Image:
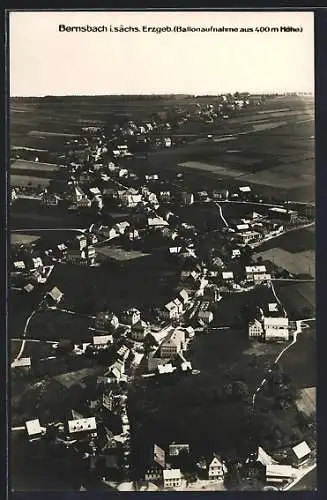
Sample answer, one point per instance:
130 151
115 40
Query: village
209 240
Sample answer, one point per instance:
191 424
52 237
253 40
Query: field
56 325
300 361
119 254
298 299
293 241
307 401
27 180
297 264
32 165
23 239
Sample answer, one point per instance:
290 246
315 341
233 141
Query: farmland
299 362
276 156
298 299
35 166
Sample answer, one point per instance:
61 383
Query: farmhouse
276 328
139 331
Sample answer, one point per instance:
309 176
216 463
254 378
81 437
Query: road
19 355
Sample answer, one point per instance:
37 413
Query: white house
302 452
172 478
255 329
276 473
102 341
34 429
82 425
276 328
170 311
215 470
131 316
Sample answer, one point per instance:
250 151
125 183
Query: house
151 177
106 321
154 473
131 316
37 262
131 200
276 328
175 449
251 271
276 473
80 241
221 194
172 344
236 253
183 296
55 295
78 194
283 213
102 341
228 276
301 452
255 330
187 198
242 227
121 227
245 237
260 278
34 430
244 189
109 232
29 288
166 369
215 470
22 364
123 352
82 426
157 222
170 311
172 478
205 316
139 331
116 371
50 200
179 305
164 196
19 265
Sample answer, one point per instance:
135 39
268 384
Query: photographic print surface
162 251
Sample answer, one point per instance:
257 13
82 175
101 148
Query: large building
172 344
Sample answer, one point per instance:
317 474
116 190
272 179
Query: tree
65 347
240 390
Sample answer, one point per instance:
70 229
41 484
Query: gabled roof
301 450
55 293
215 462
102 339
171 474
33 427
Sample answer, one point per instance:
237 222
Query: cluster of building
270 325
